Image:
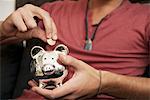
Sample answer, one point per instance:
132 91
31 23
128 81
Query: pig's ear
35 51
62 49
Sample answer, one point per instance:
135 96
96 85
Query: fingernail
51 42
55 37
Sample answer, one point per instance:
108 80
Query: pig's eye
44 58
52 58
61 48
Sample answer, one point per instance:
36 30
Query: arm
79 87
125 86
134 88
20 25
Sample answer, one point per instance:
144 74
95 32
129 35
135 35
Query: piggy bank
46 68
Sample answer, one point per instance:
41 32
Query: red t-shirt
121 42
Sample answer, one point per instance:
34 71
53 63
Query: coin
51 42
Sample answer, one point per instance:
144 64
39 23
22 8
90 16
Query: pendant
88 45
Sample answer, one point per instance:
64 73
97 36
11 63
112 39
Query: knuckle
20 10
45 14
28 6
23 29
32 25
14 15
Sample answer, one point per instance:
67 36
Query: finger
54 32
48 26
36 33
66 89
73 62
28 18
51 42
43 92
32 83
18 22
47 21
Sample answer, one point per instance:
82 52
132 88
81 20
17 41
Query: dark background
20 3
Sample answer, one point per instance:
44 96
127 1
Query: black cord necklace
88 41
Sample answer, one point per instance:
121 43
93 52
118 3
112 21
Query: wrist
100 81
108 80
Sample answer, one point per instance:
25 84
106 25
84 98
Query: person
108 42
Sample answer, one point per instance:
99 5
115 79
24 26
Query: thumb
32 83
71 61
38 33
33 33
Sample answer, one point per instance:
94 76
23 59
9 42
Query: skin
121 86
131 88
20 25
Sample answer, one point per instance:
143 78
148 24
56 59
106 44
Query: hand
20 23
84 83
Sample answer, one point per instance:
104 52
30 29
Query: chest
110 34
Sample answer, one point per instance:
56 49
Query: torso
98 13
120 44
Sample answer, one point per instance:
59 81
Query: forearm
125 86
